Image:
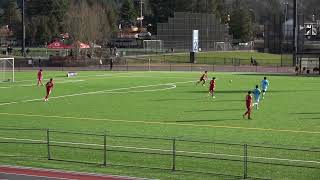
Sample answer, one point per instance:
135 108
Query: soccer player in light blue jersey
264 86
256 95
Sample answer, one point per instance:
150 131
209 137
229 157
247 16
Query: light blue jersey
256 94
264 84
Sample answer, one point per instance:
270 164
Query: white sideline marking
162 123
110 91
165 150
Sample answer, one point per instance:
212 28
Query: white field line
82 76
89 77
162 123
110 91
165 150
30 85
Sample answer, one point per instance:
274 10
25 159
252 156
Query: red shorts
48 90
211 88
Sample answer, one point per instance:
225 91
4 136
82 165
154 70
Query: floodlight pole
23 30
295 31
141 13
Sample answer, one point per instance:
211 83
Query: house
6 37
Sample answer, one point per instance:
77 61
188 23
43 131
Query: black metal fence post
173 154
48 144
319 66
245 161
105 149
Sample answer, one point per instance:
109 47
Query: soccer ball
230 81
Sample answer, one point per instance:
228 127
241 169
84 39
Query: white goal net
6 69
153 45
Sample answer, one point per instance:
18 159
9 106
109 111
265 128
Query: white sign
195 41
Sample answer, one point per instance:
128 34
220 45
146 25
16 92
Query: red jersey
212 84
248 100
40 75
49 85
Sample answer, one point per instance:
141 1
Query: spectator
111 64
9 49
304 69
39 61
297 70
115 51
251 61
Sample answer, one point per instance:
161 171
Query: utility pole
23 30
285 31
141 13
295 31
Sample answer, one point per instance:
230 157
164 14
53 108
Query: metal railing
173 154
151 66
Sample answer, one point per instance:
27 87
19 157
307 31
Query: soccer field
165 105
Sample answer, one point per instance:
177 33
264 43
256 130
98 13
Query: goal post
153 45
7 70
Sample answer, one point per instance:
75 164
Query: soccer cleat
213 97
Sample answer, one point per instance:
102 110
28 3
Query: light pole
23 30
295 31
141 13
285 33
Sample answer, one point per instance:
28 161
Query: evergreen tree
12 16
45 19
127 11
241 23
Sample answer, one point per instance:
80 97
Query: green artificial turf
164 105
217 58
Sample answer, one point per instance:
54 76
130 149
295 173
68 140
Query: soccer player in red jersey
40 77
248 105
203 78
49 87
212 87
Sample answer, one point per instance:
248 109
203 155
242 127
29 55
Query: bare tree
87 23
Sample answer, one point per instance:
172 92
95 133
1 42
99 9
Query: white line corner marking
109 91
